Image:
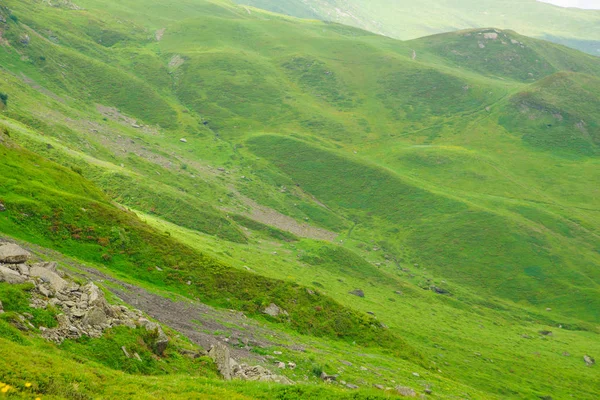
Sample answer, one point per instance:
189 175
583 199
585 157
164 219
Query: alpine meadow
201 199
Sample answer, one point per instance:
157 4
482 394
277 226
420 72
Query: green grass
439 171
402 19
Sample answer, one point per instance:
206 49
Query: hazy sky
594 4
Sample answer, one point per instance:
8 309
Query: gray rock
1 307
49 276
162 340
348 363
13 254
273 310
351 386
23 269
47 265
405 391
2 207
328 378
95 317
358 292
280 365
291 365
380 387
220 355
125 352
77 313
589 361
92 292
9 276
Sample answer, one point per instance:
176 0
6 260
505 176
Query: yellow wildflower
5 389
28 385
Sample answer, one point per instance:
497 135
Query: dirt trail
202 324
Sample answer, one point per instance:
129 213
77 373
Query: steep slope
407 20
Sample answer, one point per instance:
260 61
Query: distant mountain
407 19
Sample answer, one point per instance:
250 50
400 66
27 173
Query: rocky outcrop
83 309
13 254
230 369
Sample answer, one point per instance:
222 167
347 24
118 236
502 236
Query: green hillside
421 210
404 19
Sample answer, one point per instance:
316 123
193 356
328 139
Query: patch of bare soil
115 115
268 216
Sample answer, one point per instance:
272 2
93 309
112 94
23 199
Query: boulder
351 386
9 276
95 317
51 277
161 341
358 292
13 254
221 356
23 269
405 391
51 266
328 378
274 311
92 292
439 290
589 361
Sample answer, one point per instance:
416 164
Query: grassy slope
406 20
359 103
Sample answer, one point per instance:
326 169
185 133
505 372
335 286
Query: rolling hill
405 19
421 209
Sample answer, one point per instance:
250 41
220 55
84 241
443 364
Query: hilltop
404 19
394 213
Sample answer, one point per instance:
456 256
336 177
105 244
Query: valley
424 214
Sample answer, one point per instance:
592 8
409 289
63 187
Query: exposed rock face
85 311
274 311
13 254
230 369
358 292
